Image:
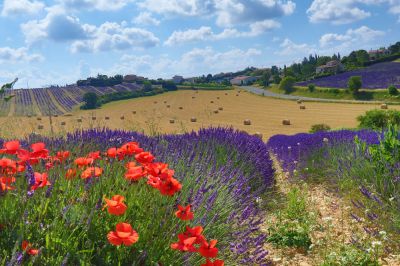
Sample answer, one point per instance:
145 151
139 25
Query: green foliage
350 256
379 119
319 127
101 81
276 79
311 87
354 84
8 86
393 90
287 84
90 100
169 86
294 223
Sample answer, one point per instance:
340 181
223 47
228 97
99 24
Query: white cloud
362 35
206 33
145 18
103 5
60 27
289 48
227 12
19 7
19 55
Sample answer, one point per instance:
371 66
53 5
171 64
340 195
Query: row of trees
101 81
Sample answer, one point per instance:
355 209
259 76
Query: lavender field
54 100
378 76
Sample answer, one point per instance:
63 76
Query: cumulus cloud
145 18
289 48
362 35
206 33
61 27
20 7
103 5
227 12
19 55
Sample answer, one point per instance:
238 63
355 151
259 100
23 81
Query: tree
311 87
287 84
354 84
91 101
169 86
393 90
265 78
277 79
147 86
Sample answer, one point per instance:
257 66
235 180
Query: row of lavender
55 100
221 160
378 76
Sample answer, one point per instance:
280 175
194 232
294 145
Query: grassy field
152 115
340 94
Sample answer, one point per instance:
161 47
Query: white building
243 80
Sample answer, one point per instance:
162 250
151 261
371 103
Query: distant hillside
377 76
55 100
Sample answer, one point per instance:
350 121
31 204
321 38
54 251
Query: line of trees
101 81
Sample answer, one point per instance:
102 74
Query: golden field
153 116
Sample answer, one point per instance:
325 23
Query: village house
375 54
133 78
177 79
243 80
333 66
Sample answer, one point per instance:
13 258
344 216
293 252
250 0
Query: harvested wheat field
182 111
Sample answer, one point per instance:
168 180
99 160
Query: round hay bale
122 117
68 114
216 111
40 127
94 118
29 116
79 120
168 106
165 101
193 97
211 101
247 122
193 119
39 119
171 121
237 94
107 118
258 135
220 108
286 122
226 93
155 102
180 108
302 107
55 115
133 112
217 98
384 106
63 123
299 101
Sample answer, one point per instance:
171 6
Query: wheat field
153 115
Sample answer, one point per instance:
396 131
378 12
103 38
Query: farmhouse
243 80
133 78
375 54
177 79
333 66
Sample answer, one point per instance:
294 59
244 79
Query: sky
49 42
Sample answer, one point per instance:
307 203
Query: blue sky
47 42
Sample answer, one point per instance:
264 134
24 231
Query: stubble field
153 115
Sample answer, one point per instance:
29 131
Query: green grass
204 87
340 94
397 61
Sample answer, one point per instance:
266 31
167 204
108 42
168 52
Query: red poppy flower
135 173
155 169
115 205
40 181
116 152
92 172
184 243
154 181
130 165
195 232
83 161
208 250
27 247
124 234
62 155
215 263
94 155
71 173
170 187
184 213
23 155
5 183
131 148
10 147
39 150
144 157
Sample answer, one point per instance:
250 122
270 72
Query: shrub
319 127
287 84
379 119
311 87
91 101
393 90
354 84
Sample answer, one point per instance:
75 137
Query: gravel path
267 93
